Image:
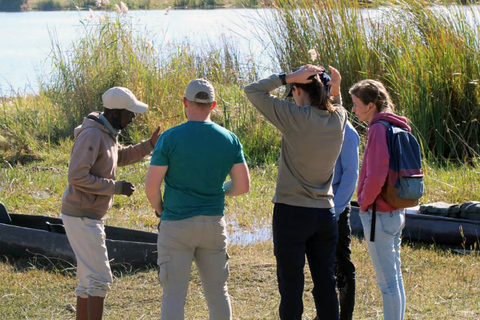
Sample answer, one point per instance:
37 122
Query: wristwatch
283 77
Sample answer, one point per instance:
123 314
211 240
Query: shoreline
62 5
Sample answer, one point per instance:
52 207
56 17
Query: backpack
404 185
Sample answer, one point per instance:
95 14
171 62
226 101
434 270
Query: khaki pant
87 239
203 239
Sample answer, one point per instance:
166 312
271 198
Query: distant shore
111 5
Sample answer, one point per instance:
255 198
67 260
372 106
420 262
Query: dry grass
439 285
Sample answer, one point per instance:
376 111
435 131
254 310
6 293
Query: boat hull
429 228
29 235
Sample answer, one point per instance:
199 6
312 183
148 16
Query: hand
127 188
335 80
155 135
303 73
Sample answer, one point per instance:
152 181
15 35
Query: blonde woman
372 103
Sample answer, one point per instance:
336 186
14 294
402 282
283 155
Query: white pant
87 239
203 239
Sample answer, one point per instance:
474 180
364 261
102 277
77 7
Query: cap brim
138 107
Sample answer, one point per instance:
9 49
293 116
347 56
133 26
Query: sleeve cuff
118 187
337 99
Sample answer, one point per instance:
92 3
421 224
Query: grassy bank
433 291
439 283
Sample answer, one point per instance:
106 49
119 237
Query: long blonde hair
373 91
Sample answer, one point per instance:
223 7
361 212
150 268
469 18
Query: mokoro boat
23 235
430 228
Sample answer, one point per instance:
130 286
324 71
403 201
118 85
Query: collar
107 125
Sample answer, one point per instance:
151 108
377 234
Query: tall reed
426 55
112 52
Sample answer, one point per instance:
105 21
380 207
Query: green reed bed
426 54
113 52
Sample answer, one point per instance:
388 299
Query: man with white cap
92 184
194 159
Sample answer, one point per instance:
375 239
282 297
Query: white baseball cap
122 98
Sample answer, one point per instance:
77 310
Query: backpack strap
374 220
374 206
385 123
388 125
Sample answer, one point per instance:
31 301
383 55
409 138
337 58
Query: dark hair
319 96
373 91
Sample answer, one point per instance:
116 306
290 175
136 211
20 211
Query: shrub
48 5
11 5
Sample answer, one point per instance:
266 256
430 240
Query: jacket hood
393 119
90 121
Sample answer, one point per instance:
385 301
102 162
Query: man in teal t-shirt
194 159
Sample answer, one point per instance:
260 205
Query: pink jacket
375 163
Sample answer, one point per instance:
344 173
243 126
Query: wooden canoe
23 235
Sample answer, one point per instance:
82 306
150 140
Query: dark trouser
300 231
344 268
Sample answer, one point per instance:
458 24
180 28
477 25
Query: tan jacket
93 169
311 142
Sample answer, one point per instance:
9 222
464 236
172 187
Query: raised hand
127 188
155 135
335 80
302 74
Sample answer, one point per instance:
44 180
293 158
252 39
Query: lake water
26 37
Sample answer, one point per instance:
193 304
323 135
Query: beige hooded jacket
93 168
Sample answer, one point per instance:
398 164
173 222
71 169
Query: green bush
82 3
194 3
11 5
137 4
48 5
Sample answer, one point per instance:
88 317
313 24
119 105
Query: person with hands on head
344 183
194 159
92 184
304 221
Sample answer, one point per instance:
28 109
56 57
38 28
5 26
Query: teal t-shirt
199 156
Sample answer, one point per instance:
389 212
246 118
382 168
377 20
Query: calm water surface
25 38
